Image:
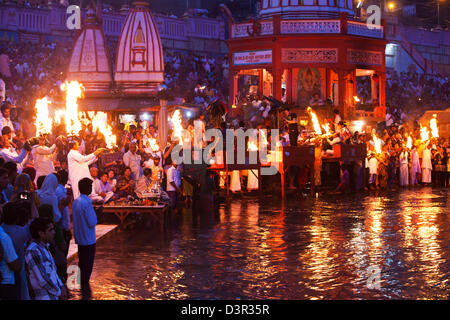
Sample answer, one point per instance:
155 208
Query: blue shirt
84 221
61 193
9 255
20 236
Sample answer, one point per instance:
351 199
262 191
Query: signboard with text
252 57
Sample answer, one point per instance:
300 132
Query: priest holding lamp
78 165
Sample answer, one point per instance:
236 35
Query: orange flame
424 134
434 127
74 90
315 121
43 121
177 126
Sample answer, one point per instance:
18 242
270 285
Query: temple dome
89 62
305 9
140 59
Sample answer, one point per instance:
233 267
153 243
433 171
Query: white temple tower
90 62
140 59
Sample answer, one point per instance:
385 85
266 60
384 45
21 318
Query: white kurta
150 163
79 169
134 162
43 160
415 166
12 156
427 166
6 122
235 184
373 163
252 182
97 188
404 172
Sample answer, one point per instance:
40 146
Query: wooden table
159 213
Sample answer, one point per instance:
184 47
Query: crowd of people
410 92
52 187
42 178
391 160
198 79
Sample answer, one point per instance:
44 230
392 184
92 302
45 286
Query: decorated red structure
299 48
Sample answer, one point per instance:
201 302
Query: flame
434 127
356 99
99 122
74 90
264 137
327 129
409 143
252 146
177 127
424 134
153 145
43 121
58 115
377 143
315 121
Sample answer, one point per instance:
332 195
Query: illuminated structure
90 63
140 59
300 48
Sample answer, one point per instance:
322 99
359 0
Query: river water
374 246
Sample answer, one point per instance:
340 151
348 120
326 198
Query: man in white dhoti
43 158
133 160
415 166
427 166
373 163
252 180
235 183
404 164
79 165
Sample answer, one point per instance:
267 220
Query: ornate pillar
233 88
342 92
261 82
289 86
382 102
277 77
374 88
350 81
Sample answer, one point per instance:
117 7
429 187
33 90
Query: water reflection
307 249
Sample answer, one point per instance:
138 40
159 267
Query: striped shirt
41 271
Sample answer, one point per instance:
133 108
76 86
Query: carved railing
329 26
310 26
53 21
363 29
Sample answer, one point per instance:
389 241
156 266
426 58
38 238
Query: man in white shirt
144 183
101 189
427 165
43 158
133 160
79 165
173 184
9 154
4 119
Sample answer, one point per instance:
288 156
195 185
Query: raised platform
101 232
